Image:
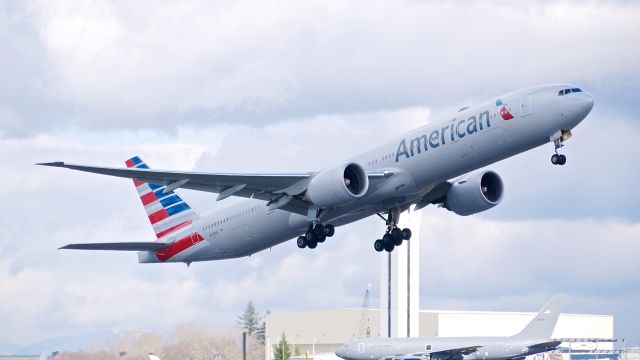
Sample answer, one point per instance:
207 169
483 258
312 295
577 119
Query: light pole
313 347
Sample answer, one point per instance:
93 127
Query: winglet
543 324
54 163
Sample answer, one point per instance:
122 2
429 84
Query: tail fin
167 211
542 325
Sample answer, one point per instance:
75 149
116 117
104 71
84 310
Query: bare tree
187 342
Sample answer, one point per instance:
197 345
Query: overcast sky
248 86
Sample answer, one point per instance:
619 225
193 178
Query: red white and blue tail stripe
168 212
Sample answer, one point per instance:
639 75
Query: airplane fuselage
490 348
468 140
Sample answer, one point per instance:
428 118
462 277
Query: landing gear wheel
563 160
397 241
329 230
312 244
309 235
318 233
406 233
378 245
302 242
387 239
396 233
555 159
389 247
318 230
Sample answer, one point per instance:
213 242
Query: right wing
436 195
122 246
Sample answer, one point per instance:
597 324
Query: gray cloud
100 65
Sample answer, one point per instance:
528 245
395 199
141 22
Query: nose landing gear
393 236
315 234
558 140
558 159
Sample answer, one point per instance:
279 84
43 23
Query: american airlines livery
428 165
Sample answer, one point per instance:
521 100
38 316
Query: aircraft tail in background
543 324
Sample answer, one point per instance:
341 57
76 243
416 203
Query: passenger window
428 347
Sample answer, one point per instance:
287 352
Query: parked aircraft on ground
415 168
533 339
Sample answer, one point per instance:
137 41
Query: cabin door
525 106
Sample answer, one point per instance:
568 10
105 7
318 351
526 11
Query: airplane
432 164
533 339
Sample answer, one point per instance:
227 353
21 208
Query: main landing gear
558 142
393 236
316 234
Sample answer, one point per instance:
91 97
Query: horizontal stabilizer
121 246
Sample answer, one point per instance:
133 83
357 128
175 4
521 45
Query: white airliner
428 165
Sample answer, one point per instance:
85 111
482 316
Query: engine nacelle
338 185
474 193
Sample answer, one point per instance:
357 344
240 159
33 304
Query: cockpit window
568 91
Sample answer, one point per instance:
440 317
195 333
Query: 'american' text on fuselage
455 131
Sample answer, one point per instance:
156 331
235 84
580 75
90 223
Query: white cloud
548 255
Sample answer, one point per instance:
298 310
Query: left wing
281 191
455 353
268 187
549 345
121 246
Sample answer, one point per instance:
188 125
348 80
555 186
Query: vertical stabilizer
542 325
167 211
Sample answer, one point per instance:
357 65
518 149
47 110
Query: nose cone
341 352
574 108
587 103
582 107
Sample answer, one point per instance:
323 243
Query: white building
323 331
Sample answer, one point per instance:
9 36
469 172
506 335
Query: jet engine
474 193
338 185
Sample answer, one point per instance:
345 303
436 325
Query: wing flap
121 246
